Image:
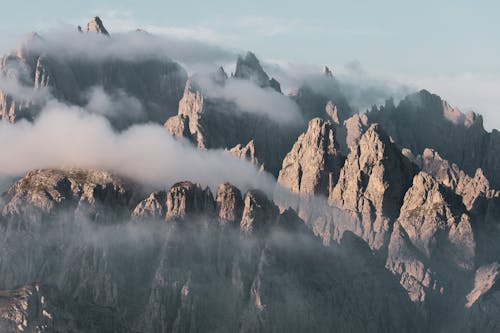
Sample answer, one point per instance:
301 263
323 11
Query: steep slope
459 138
371 187
313 165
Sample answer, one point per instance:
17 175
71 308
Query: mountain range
386 220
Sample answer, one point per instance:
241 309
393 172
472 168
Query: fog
253 99
67 136
67 42
361 88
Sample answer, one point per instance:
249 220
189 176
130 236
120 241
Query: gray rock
371 187
96 25
229 204
313 165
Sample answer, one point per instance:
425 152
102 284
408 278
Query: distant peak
327 72
96 25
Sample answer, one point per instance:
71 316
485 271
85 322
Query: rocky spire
314 163
327 72
258 212
432 231
246 153
229 204
96 25
249 68
187 122
372 185
186 198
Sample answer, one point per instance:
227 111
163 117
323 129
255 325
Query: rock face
249 68
229 204
432 239
258 210
44 193
472 189
35 308
483 301
246 153
459 138
313 165
187 198
434 216
96 25
371 187
187 122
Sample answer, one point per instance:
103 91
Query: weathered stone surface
258 212
371 187
410 266
186 198
471 189
246 153
437 223
42 193
313 165
96 25
459 138
229 204
432 247
187 122
38 309
153 207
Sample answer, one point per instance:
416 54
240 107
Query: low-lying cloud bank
64 136
361 88
67 43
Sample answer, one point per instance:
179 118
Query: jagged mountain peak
313 165
96 25
327 72
250 68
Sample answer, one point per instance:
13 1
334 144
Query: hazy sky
451 47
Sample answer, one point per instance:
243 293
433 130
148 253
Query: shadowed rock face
459 138
246 153
249 68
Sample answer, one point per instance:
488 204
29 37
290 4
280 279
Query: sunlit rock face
372 185
313 165
96 25
49 192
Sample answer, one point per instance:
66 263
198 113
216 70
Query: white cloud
64 136
254 99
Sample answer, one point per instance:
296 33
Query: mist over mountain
149 187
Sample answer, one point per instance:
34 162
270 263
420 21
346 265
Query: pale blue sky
449 46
